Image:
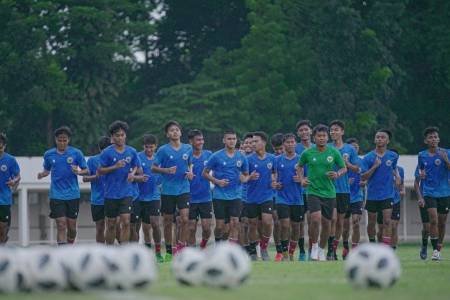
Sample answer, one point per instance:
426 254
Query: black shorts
442 204
169 203
355 208
396 212
5 214
256 210
325 205
424 214
274 206
64 208
150 209
135 216
305 201
98 212
342 202
374 206
200 210
243 210
226 209
117 207
295 213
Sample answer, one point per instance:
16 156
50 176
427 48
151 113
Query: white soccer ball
372 265
226 266
187 266
84 266
46 270
130 266
9 280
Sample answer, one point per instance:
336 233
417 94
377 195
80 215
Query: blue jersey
9 169
230 168
299 148
291 191
379 185
98 185
397 197
167 157
260 190
64 183
435 183
116 182
349 154
356 192
200 186
149 190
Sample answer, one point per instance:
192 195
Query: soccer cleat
279 257
168 257
265 255
335 257
423 253
159 258
291 257
344 253
436 255
321 254
302 256
330 255
314 252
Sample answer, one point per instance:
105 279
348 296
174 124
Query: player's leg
276 228
219 214
183 202
193 218
154 213
395 219
98 217
379 225
5 221
301 235
283 217
135 221
206 220
314 226
332 234
372 210
328 209
111 219
342 206
58 213
252 214
125 215
295 218
387 227
168 207
232 213
346 233
72 210
442 209
425 231
266 209
431 204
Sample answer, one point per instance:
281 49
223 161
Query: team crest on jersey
143 164
256 166
224 163
269 165
128 159
282 166
185 156
70 160
389 163
3 168
239 163
329 159
171 157
437 162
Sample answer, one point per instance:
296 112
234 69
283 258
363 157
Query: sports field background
421 280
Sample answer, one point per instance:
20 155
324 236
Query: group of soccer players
255 194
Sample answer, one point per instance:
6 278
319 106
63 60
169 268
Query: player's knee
61 225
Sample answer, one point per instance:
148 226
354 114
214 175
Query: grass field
294 280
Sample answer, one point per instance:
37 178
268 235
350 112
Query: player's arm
105 170
157 169
420 200
366 175
244 177
444 155
90 178
206 173
13 183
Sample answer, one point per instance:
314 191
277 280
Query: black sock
424 239
148 245
301 245
253 248
394 247
279 248
434 243
345 243
248 249
168 249
61 243
224 238
218 239
284 246
330 243
372 240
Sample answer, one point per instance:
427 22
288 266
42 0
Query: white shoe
322 256
436 255
315 251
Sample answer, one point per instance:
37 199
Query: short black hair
238 144
62 130
170 124
320 128
395 151
261 134
303 122
430 130
118 125
193 133
288 136
103 142
352 140
149 139
229 131
339 123
3 138
387 131
248 135
276 140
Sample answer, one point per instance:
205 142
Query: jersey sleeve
244 167
338 159
81 160
104 158
366 163
135 161
303 159
402 174
353 156
159 157
394 162
420 163
15 169
416 172
91 166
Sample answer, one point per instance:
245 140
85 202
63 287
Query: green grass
424 280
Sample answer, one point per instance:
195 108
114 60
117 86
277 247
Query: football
187 266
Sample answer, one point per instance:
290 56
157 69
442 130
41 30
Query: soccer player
399 193
419 175
260 195
119 164
97 190
201 198
356 204
65 163
229 168
321 161
173 160
379 169
278 149
9 181
248 148
304 132
435 165
342 185
289 200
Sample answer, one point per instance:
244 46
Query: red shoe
344 253
279 257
